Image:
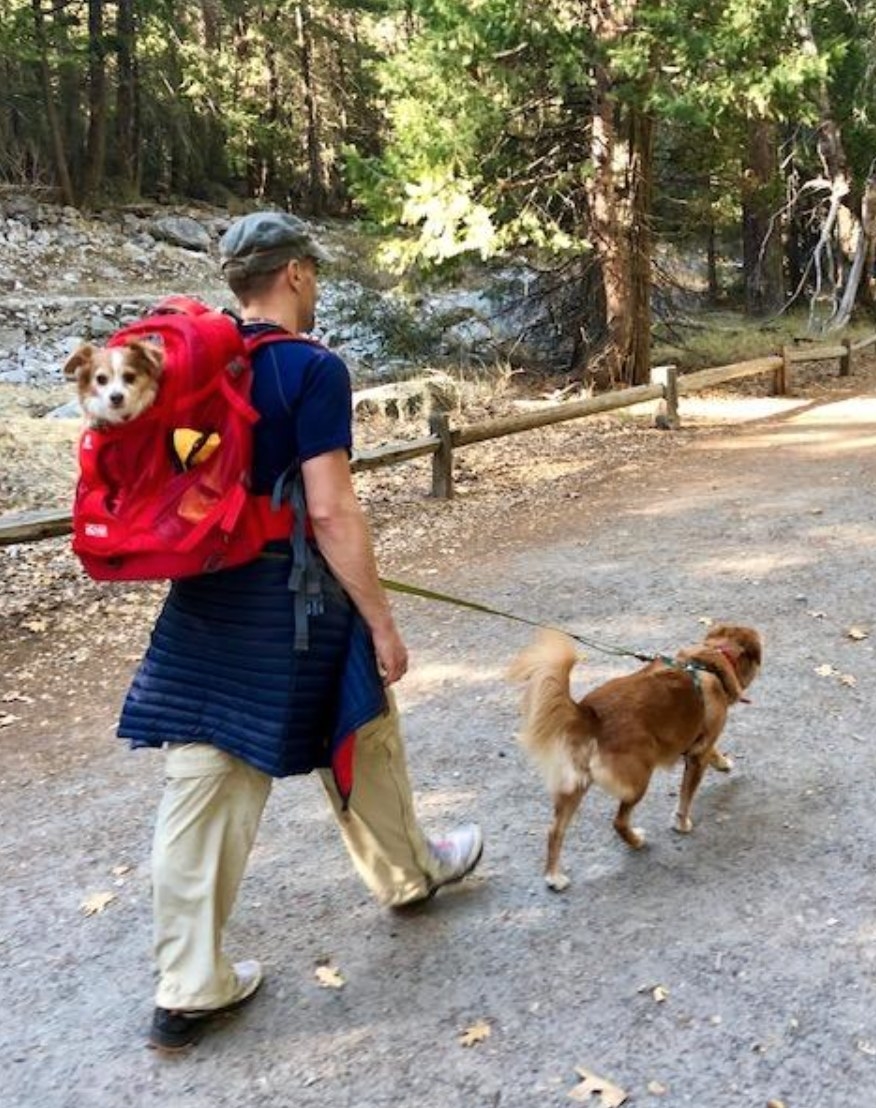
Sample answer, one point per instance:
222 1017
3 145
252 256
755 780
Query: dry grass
38 455
721 337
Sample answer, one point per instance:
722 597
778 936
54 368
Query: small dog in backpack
618 734
115 384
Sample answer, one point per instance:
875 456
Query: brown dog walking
619 733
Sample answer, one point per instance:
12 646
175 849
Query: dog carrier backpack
167 495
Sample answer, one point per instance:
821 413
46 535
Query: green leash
472 605
693 669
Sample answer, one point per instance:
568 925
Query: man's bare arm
344 538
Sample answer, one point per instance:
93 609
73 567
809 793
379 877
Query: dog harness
694 669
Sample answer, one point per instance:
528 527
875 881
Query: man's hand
392 654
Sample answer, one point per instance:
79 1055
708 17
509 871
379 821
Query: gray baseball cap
264 241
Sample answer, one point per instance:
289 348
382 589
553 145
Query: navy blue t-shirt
303 395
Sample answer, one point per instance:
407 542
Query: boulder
181 230
21 207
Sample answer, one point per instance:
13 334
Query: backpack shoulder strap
277 334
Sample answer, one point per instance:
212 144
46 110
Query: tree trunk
868 229
605 227
712 283
242 52
211 14
640 191
761 237
95 147
268 159
68 81
316 170
127 128
795 226
620 210
834 269
60 153
857 284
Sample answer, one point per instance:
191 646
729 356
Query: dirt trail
760 928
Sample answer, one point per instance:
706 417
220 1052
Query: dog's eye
128 377
101 378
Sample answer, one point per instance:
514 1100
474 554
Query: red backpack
167 495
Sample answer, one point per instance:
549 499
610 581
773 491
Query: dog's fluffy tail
551 718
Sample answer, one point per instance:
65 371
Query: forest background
584 135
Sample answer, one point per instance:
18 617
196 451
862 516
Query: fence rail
667 386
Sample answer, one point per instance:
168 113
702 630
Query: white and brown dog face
115 384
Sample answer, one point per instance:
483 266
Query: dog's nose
117 399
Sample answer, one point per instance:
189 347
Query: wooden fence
667 385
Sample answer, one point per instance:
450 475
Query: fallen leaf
825 671
329 977
36 625
120 871
858 633
848 679
9 697
610 1096
6 720
656 1089
659 994
95 903
475 1034
775 1104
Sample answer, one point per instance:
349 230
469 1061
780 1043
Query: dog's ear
751 644
79 358
147 356
746 640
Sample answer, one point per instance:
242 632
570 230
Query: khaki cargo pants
207 821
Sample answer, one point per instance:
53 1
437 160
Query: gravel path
729 969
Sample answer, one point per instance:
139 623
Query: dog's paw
634 837
556 881
683 824
720 762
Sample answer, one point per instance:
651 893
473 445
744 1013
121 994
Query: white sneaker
456 855
249 976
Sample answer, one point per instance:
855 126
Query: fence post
845 366
667 417
442 459
782 375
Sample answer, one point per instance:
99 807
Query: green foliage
465 124
488 107
476 103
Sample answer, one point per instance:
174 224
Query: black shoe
174 1030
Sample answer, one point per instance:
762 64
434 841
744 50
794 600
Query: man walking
247 679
